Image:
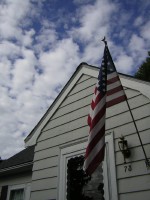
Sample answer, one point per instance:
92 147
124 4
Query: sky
42 42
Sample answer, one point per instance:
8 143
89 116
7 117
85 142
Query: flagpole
147 162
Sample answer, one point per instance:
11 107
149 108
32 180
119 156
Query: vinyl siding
45 173
48 194
71 107
69 125
16 179
133 184
136 195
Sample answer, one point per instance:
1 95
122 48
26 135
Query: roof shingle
22 157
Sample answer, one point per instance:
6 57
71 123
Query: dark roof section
24 156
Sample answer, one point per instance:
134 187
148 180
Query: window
75 184
19 192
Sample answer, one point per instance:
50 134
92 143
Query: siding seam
35 170
61 144
81 90
62 133
83 80
45 158
44 189
49 177
86 115
133 133
134 191
127 123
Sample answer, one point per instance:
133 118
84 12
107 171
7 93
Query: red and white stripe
115 92
96 120
96 140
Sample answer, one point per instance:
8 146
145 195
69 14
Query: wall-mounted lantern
123 146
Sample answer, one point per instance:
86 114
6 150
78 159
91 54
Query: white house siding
135 184
68 126
17 179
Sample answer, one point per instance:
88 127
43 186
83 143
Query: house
16 173
59 140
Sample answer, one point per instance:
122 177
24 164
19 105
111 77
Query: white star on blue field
43 41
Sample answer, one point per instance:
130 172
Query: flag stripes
108 92
94 159
96 120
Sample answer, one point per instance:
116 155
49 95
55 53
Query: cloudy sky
43 41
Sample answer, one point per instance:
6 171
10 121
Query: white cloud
11 15
94 57
138 50
57 64
23 71
17 71
30 92
138 21
47 37
124 64
35 63
94 20
136 43
27 38
145 31
9 142
9 49
5 66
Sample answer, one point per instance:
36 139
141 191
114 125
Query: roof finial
104 40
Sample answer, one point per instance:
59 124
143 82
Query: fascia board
129 82
138 85
15 167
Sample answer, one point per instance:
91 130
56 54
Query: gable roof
23 159
32 137
82 69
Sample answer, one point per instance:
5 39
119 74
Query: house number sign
127 168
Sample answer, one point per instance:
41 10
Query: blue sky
43 41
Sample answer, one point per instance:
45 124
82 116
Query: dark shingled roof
24 156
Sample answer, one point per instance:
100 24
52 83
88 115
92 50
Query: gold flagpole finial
104 40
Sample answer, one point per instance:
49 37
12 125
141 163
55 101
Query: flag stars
103 76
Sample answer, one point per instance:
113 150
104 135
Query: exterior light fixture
123 146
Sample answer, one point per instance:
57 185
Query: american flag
108 92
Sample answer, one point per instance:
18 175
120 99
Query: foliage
76 179
143 72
